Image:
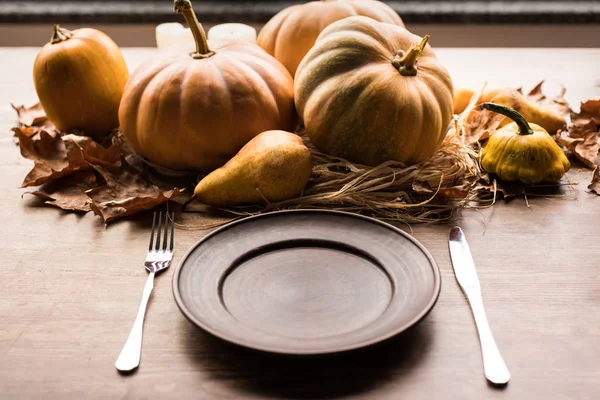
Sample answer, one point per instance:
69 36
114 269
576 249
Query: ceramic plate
306 282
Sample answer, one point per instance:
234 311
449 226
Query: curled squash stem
60 34
524 128
185 7
405 63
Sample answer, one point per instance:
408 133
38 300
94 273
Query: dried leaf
594 185
456 192
54 157
590 110
557 104
27 131
94 153
125 193
583 136
480 125
506 188
69 193
30 116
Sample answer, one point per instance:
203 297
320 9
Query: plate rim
426 310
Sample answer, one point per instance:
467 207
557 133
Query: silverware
464 268
158 259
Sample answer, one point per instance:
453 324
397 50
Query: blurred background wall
451 23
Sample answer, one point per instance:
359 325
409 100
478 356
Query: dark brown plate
306 282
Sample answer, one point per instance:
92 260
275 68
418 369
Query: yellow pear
274 166
531 111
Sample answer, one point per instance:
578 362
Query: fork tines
157 227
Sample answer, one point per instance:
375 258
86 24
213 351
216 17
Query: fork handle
129 358
494 367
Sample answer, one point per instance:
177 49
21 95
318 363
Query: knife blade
494 367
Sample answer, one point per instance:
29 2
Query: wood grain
70 288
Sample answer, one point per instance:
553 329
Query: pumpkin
79 77
291 33
195 111
371 92
522 151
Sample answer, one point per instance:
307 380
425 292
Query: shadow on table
303 377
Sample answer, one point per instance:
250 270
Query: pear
273 166
531 111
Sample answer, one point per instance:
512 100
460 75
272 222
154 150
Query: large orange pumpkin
196 111
291 33
79 77
371 92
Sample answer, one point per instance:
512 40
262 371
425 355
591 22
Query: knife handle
494 367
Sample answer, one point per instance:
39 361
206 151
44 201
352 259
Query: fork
158 259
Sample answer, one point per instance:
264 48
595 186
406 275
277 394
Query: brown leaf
53 157
56 156
30 116
594 185
506 188
27 131
126 192
94 153
455 192
590 110
69 193
583 136
480 125
557 104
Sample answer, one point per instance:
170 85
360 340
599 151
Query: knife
464 268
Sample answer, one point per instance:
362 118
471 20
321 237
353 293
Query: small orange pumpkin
291 33
196 111
372 92
79 77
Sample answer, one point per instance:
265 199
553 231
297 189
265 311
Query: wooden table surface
70 288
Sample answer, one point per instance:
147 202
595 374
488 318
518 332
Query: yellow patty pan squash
371 92
521 151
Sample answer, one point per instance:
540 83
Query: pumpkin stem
405 63
524 128
185 7
60 34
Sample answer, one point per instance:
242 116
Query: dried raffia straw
432 191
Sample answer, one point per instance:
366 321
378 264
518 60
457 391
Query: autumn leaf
126 192
56 156
594 185
591 110
557 104
53 156
69 193
479 125
583 136
455 192
30 116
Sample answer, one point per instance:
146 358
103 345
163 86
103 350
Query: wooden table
70 288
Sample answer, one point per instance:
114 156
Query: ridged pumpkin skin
80 80
195 111
532 157
355 103
291 33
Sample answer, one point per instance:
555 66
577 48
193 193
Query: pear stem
524 127
405 63
60 35
202 50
